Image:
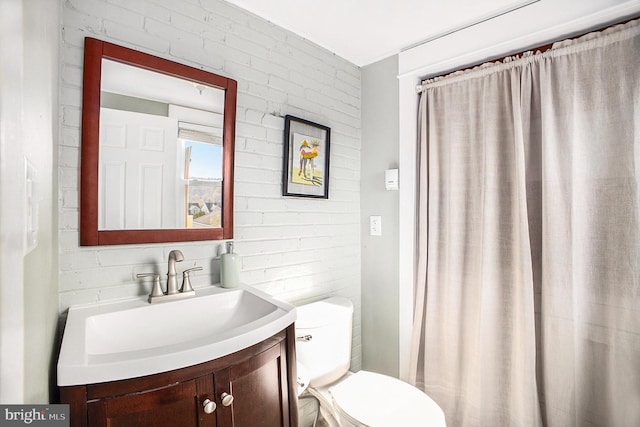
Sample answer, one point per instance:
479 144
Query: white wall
379 253
296 249
40 133
28 126
11 204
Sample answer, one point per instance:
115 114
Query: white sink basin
128 339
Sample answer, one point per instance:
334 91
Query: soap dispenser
229 268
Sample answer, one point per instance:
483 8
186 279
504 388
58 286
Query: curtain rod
538 49
474 22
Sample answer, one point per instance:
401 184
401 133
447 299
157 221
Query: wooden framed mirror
158 143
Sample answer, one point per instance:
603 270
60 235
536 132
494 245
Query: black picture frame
305 171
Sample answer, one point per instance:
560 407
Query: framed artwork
306 159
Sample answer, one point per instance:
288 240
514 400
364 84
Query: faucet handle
157 289
186 280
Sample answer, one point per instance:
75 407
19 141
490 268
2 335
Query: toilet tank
323 339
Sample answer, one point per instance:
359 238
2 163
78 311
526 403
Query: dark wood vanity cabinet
175 405
261 380
257 388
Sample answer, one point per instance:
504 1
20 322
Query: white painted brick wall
298 250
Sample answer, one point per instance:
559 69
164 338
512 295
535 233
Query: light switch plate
375 225
31 207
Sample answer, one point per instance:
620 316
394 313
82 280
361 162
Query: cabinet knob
209 406
227 399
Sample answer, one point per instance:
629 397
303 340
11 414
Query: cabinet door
259 389
177 405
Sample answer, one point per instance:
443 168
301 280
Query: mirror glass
162 143
160 151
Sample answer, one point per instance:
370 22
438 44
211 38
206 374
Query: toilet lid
377 400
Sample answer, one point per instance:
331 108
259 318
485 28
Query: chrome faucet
172 281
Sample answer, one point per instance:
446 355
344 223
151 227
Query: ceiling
364 32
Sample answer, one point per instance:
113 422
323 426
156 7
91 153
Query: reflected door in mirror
138 186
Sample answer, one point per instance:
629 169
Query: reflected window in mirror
203 163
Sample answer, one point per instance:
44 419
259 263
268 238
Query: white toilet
323 349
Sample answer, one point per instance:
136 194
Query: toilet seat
376 400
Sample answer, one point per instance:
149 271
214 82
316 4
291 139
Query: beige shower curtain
528 242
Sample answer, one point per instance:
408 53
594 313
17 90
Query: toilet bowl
347 399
